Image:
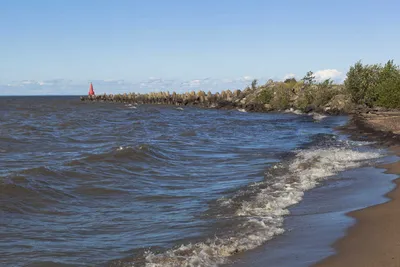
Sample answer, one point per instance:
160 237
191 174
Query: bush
281 98
388 88
373 84
324 93
305 99
290 80
266 96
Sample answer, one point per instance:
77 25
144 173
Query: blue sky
183 45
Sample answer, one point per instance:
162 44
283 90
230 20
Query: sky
59 46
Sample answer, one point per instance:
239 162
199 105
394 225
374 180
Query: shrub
290 80
324 93
281 99
374 85
266 96
387 91
361 82
305 99
317 95
390 93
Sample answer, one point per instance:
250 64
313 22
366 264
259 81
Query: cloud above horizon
321 75
115 86
289 75
332 74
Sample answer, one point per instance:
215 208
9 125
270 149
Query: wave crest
264 212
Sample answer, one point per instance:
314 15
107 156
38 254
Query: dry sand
375 239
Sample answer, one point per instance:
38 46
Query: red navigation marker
91 92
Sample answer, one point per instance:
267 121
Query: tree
361 82
254 84
309 79
387 91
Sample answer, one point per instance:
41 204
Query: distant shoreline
366 87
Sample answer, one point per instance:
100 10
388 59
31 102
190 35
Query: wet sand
375 239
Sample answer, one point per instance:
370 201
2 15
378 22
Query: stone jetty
272 96
227 99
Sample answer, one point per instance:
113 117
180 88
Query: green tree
309 79
387 91
361 83
254 84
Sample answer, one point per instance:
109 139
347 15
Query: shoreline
374 240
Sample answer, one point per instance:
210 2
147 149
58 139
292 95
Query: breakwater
246 99
273 96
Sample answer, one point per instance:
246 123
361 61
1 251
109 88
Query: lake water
102 184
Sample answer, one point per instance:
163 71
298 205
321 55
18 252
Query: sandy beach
375 239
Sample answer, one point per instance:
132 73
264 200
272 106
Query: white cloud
247 78
194 83
197 83
44 83
28 82
114 86
333 74
227 80
289 75
153 83
14 84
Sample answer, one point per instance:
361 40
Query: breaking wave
260 217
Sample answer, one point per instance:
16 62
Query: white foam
264 213
317 116
242 110
123 148
294 111
179 108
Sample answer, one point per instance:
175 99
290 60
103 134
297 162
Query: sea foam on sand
264 212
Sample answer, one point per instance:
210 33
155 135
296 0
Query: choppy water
99 184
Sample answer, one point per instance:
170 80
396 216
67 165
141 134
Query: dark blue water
89 184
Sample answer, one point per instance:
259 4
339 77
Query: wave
27 190
317 116
260 216
8 139
294 111
131 106
143 151
101 191
139 153
189 133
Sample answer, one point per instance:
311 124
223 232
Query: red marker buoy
91 91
